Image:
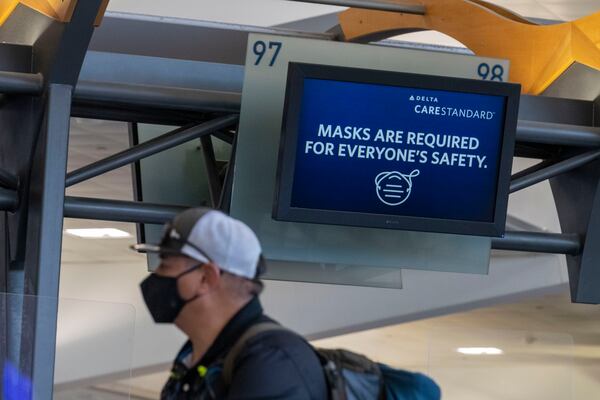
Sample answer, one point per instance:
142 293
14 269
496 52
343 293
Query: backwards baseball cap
209 235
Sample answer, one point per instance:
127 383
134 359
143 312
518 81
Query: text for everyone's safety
425 148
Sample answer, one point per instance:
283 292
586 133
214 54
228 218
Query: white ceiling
246 12
275 12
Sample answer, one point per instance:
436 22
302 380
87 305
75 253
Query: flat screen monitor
395 150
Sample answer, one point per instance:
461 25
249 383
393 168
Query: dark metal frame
528 132
548 170
35 159
210 163
21 83
8 180
146 149
298 72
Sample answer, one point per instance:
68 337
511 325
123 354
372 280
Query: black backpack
350 376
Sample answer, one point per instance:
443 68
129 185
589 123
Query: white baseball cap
209 235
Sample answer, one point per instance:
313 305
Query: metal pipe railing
146 149
130 211
553 170
118 210
534 168
9 200
147 213
557 134
172 98
21 83
535 242
161 97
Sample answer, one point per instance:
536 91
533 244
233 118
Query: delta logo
424 99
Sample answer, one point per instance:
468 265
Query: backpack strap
250 333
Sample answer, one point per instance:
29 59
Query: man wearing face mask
208 285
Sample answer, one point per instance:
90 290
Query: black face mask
162 296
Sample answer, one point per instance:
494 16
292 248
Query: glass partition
94 345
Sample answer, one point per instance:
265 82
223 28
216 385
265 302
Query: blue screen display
382 149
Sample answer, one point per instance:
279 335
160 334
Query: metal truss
528 132
162 143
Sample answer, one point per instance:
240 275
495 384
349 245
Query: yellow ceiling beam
60 10
539 54
6 9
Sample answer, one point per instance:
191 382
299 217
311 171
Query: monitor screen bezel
297 72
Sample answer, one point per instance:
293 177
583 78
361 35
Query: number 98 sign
489 72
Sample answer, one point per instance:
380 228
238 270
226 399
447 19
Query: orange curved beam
539 54
60 10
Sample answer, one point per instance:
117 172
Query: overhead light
98 233
480 351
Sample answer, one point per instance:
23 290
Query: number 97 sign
270 50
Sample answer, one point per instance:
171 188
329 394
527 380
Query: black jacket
272 365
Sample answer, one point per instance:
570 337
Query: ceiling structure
265 13
93 140
276 12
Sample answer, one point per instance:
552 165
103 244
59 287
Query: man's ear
211 278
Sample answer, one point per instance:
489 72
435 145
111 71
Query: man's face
173 266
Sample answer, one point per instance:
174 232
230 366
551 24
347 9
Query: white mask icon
394 188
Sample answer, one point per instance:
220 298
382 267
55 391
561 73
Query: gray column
44 234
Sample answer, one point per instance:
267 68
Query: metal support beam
532 169
9 200
161 97
514 223
227 188
117 210
146 149
224 136
175 98
210 163
140 115
371 5
553 243
8 180
145 213
59 50
21 83
558 134
554 170
44 240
